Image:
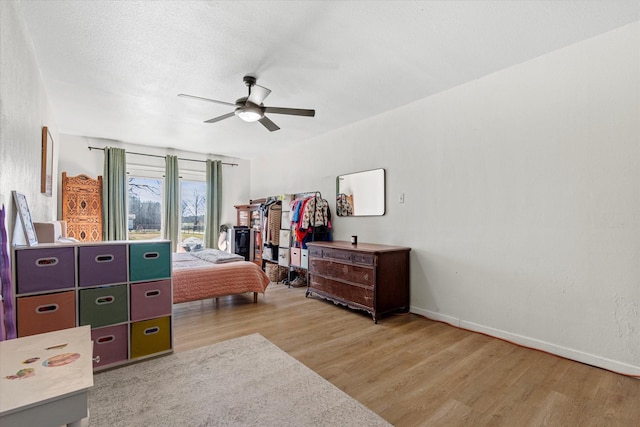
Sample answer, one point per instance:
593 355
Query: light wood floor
413 371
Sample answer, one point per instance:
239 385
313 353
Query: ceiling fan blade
206 99
224 116
290 111
258 94
266 122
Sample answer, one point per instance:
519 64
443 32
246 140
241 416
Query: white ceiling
112 69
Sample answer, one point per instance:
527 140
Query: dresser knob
96 359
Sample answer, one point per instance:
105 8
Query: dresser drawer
103 306
337 254
45 269
45 313
364 259
102 265
315 252
342 291
150 299
344 272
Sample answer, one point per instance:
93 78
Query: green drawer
149 261
103 306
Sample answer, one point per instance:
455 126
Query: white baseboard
568 353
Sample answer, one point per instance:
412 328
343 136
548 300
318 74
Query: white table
54 395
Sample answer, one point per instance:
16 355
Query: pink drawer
150 299
295 256
110 344
45 313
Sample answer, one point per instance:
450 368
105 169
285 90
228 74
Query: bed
211 274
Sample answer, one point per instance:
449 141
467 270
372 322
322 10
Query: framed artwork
25 218
46 177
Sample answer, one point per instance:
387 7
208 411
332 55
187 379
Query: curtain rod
162 157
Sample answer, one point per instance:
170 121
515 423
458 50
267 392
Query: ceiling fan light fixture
250 113
249 116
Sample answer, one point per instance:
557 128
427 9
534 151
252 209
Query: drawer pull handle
105 339
47 308
152 293
151 255
46 262
104 258
107 299
152 330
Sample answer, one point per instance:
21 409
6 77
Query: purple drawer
102 265
150 299
45 269
111 344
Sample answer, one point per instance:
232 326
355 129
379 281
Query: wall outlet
401 198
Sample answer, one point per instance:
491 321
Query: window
145 208
193 204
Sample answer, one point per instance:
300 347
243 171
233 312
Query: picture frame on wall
24 216
46 176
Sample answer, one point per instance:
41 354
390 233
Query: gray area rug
246 381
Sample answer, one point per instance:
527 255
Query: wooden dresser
369 277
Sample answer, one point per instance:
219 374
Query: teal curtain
171 206
214 203
114 195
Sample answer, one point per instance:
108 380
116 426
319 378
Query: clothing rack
307 194
162 157
313 226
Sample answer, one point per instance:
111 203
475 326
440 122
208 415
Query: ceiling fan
250 108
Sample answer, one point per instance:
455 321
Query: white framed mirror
361 193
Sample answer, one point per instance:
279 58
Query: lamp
250 112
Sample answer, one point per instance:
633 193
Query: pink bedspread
195 279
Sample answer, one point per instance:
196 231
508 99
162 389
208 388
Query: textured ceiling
112 69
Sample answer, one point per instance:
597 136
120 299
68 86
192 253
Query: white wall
522 198
24 109
76 158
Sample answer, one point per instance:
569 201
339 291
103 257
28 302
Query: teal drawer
149 261
103 306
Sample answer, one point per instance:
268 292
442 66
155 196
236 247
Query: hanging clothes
311 220
316 213
272 235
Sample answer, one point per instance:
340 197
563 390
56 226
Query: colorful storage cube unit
102 265
295 256
150 336
45 313
45 269
103 306
110 345
150 299
149 261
